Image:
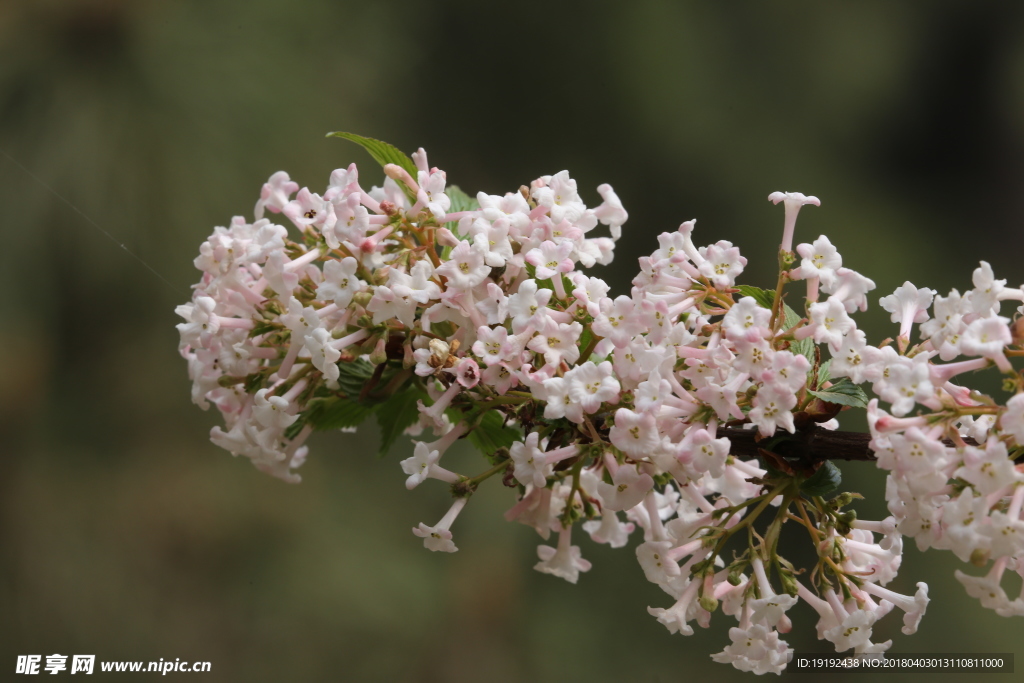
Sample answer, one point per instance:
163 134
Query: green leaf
763 297
491 433
396 415
353 376
805 347
823 372
845 393
766 298
460 200
336 413
382 152
585 338
824 481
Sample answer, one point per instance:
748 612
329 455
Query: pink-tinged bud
467 372
793 202
379 354
447 238
396 172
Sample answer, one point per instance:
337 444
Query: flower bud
379 354
789 585
735 575
708 602
446 238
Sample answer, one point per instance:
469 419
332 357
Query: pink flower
908 305
793 201
634 434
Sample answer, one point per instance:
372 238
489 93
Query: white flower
301 320
701 452
609 529
417 285
1012 421
275 193
559 402
908 305
830 322
788 371
627 489
431 194
855 359
685 609
558 194
530 465
987 337
438 538
634 434
984 298
309 209
745 315
556 341
908 383
611 212
272 412
491 345
551 259
465 268
202 322
913 607
851 288
617 321
984 588
792 201
655 561
418 466
854 631
388 303
772 410
591 385
340 282
353 222
435 538
722 263
819 259
755 649
1006 534
962 519
323 356
651 393
752 355
565 562
988 469
524 304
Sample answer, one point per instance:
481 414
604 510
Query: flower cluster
674 409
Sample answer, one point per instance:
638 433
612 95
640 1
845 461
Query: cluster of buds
672 409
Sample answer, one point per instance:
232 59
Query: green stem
567 513
594 339
771 537
466 487
811 529
749 519
977 410
508 400
777 303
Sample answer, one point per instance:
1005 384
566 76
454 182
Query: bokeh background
124 533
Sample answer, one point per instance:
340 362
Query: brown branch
808 446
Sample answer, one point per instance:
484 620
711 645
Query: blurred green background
124 533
